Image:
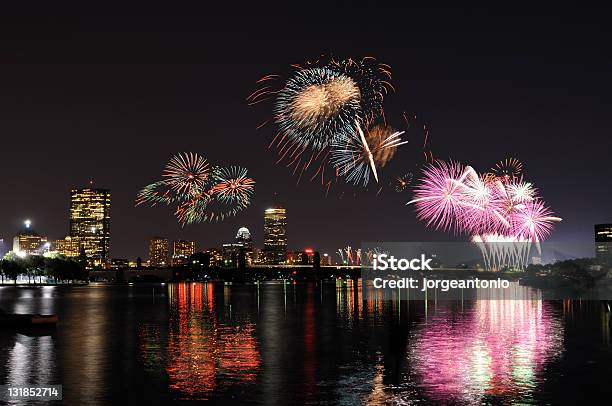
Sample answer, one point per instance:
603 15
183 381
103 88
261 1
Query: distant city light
309 250
27 223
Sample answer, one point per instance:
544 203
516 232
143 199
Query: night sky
112 95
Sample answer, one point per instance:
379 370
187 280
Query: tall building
245 241
29 242
231 254
90 223
158 252
216 257
603 243
69 246
275 236
181 251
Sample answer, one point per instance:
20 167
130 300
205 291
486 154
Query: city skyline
515 92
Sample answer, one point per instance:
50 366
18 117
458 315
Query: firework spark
322 106
200 193
380 139
358 156
402 182
438 198
322 102
507 169
534 222
233 185
373 80
493 211
316 106
186 172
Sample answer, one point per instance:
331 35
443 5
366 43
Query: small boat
28 319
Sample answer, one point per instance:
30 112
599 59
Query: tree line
56 269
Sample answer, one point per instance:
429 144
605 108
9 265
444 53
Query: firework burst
401 183
320 111
503 215
316 106
358 156
520 191
186 173
373 80
199 192
507 169
534 222
232 185
438 197
482 202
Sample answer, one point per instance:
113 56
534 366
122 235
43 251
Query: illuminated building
181 251
295 258
216 257
69 246
243 238
309 253
239 253
275 236
90 223
603 243
326 260
230 252
305 257
158 252
119 263
29 242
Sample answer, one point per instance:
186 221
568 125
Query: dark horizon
113 97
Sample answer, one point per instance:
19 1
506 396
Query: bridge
167 274
265 271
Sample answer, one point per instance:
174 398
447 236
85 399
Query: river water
280 343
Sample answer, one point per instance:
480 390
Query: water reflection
497 348
201 352
304 343
30 361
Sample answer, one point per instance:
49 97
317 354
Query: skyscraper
181 251
603 243
29 241
69 246
275 236
244 239
158 252
90 223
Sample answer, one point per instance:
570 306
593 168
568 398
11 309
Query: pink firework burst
451 196
483 204
534 222
439 198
